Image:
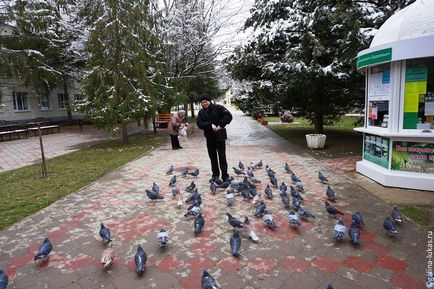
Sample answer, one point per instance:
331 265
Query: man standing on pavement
213 118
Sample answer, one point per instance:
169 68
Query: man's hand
214 128
218 128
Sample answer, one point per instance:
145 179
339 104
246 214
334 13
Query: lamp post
44 165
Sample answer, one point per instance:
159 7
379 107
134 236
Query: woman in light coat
174 125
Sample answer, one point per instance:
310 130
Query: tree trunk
124 133
154 125
192 108
318 122
68 101
186 110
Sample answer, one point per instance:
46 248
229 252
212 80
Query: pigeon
268 220
140 259
257 200
213 188
294 178
229 197
304 214
238 172
241 165
283 187
331 209
195 173
199 222
225 184
4 279
285 199
390 226
155 188
288 169
218 181
357 219
354 233
104 232
339 230
163 238
250 174
299 186
273 181
234 222
260 209
153 195
107 258
330 286
208 281
293 219
295 194
235 242
259 165
191 187
396 215
322 178
194 209
248 230
172 181
170 170
184 172
268 192
194 196
175 192
44 249
296 202
269 171
330 194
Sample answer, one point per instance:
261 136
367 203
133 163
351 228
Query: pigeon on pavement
191 187
184 172
195 173
268 220
294 178
234 222
293 219
104 232
199 222
44 249
153 195
4 279
283 187
238 172
163 238
339 230
207 281
155 188
304 214
249 231
260 210
229 197
285 199
331 209
389 226
330 194
357 218
354 233
140 259
322 178
288 169
107 258
172 181
241 165
170 170
268 192
235 242
396 215
259 164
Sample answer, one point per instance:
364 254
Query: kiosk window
379 95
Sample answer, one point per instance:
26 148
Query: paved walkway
284 258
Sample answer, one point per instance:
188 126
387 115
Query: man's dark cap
205 97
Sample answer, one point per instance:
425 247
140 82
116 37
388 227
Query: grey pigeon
229 197
195 173
259 164
396 215
339 230
234 222
260 210
140 259
213 188
191 187
268 220
331 209
4 279
285 199
195 195
268 192
238 172
295 194
225 184
235 243
389 226
299 186
199 222
269 171
273 181
293 220
294 178
170 170
175 192
155 188
330 194
184 172
322 178
104 232
194 209
254 180
354 233
163 238
153 195
172 181
304 214
357 218
207 281
283 187
44 249
241 165
218 181
288 169
330 286
250 173
296 203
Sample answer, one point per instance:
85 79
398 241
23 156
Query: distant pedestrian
174 125
213 118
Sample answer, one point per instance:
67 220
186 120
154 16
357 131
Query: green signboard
376 150
413 157
379 56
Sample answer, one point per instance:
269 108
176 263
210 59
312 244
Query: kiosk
398 134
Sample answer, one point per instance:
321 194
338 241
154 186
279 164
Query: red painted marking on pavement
80 261
192 281
358 263
11 272
169 264
52 261
406 281
325 263
262 264
197 264
376 248
55 235
391 263
203 248
231 264
366 236
294 264
19 262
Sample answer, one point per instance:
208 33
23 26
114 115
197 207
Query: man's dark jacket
215 114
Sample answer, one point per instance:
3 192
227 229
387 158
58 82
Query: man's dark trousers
214 148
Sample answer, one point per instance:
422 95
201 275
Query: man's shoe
225 177
213 179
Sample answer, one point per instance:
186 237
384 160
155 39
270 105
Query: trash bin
316 141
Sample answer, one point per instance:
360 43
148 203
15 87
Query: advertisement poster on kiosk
413 157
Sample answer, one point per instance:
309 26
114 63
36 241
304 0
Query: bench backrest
164 117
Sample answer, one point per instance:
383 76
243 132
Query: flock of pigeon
247 189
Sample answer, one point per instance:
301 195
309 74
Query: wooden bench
163 119
44 125
10 129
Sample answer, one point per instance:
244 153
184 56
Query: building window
44 102
20 101
62 100
379 90
419 94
